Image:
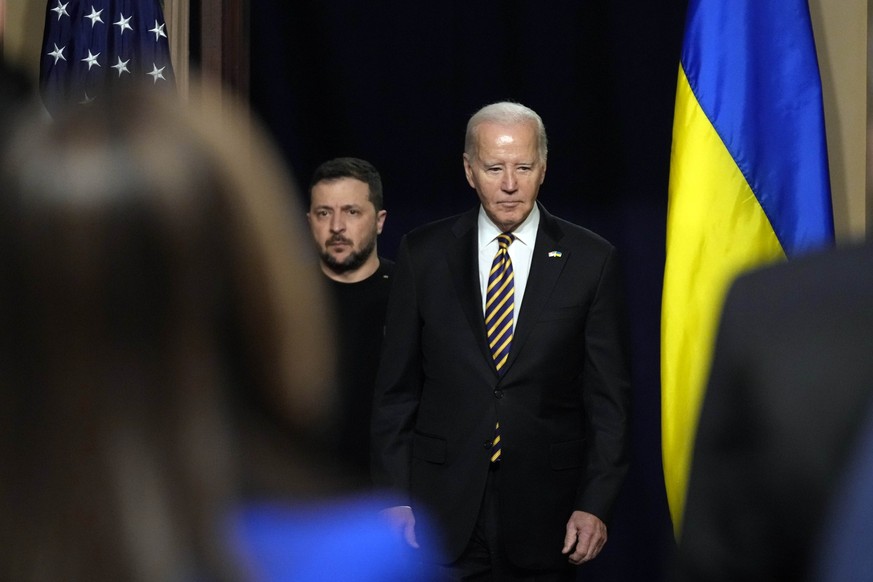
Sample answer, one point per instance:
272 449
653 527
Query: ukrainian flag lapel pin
555 254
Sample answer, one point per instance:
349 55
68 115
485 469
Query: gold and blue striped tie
499 308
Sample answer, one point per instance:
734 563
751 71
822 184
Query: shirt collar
525 233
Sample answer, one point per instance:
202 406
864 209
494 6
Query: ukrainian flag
748 185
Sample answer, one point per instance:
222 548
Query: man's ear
468 171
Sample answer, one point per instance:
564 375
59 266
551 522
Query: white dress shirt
520 252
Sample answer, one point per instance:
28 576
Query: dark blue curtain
395 82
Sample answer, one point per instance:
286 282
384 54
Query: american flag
91 45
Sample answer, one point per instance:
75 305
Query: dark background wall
395 82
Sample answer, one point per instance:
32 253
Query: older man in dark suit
502 397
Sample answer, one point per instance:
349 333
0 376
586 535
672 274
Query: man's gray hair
506 113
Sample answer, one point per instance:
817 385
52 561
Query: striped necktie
500 302
499 308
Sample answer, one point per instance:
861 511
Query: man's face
344 223
506 172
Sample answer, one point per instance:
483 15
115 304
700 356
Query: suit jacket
562 401
848 534
791 377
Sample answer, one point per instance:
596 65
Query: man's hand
586 536
401 520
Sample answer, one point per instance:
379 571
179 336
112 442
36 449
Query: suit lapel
547 262
464 268
545 270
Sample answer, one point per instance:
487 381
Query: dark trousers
484 559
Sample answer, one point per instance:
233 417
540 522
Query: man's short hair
339 168
506 113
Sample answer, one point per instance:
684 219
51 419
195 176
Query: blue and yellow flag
748 185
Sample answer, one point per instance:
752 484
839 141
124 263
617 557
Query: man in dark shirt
346 216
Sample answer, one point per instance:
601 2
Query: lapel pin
555 254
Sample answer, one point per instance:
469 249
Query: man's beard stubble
354 261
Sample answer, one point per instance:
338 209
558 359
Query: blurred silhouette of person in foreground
16 93
160 316
844 549
789 389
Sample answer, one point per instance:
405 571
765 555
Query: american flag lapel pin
555 254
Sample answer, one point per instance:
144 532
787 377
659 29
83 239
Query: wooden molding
224 43
177 14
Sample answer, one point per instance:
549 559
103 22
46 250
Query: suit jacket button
498 394
488 444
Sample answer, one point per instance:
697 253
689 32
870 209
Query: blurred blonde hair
152 260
